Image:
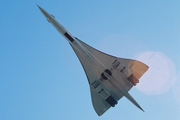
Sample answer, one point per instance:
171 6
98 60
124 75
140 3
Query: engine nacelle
128 73
111 101
103 93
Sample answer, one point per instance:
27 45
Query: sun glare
160 76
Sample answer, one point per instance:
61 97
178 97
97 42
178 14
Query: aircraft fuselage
111 87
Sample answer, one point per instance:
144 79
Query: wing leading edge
101 105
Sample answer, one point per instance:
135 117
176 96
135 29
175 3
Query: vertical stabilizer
129 97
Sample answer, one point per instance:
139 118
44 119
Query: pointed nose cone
46 14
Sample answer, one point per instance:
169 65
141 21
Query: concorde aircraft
110 78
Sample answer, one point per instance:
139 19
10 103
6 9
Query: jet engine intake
105 75
111 101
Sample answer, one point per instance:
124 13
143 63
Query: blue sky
41 78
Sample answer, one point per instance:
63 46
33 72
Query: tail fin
130 98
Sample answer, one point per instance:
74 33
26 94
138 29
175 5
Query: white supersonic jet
110 78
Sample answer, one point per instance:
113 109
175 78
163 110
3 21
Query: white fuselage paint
91 59
99 67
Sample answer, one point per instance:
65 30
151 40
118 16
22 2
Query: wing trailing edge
132 69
